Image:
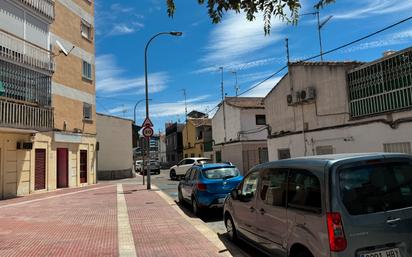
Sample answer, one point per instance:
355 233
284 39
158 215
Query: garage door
40 170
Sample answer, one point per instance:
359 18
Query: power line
329 51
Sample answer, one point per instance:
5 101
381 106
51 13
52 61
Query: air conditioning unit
292 98
307 94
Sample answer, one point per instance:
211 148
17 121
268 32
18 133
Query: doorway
83 166
40 169
62 168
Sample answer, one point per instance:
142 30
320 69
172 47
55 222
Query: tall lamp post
172 33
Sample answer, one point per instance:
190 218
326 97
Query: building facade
342 107
240 132
47 99
174 143
197 137
115 155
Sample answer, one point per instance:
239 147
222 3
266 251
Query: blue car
207 185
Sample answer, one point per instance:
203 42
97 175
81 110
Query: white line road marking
51 197
124 230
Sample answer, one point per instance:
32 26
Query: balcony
24 116
42 7
20 51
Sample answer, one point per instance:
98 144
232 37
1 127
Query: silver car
348 205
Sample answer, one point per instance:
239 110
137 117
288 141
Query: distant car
207 186
154 167
343 205
181 168
138 166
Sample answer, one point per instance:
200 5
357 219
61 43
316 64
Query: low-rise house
240 132
174 143
115 155
342 107
197 137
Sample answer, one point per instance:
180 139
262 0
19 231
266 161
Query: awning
18 131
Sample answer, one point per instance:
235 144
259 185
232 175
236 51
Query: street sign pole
147 133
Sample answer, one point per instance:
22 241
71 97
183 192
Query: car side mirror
234 194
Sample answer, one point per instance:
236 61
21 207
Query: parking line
124 231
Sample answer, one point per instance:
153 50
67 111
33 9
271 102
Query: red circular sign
147 131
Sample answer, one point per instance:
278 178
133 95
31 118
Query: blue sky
191 62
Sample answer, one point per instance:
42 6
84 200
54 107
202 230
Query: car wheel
195 207
304 254
180 196
230 228
173 175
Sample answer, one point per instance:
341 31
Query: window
283 154
192 155
376 187
260 119
304 190
87 111
87 70
382 86
186 155
273 187
189 161
86 30
322 150
249 186
397 148
263 155
221 173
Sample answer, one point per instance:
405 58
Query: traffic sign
147 131
147 123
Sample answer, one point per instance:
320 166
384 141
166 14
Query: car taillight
201 187
337 240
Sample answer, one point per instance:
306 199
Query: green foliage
285 10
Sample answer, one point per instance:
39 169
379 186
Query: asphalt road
213 218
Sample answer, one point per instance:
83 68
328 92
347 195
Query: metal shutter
83 166
40 169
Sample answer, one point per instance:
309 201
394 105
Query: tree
285 10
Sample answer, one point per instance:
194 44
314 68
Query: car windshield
221 173
376 187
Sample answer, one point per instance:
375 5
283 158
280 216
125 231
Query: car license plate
386 253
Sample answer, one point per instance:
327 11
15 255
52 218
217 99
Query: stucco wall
366 138
115 138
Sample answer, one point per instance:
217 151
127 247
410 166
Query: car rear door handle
262 211
391 221
252 209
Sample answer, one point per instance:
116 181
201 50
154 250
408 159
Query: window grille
382 86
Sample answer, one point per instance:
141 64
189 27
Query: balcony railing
21 51
44 7
20 115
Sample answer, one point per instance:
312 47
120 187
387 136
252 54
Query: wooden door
62 168
40 169
83 166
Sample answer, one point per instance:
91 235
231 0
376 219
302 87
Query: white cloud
263 89
122 29
178 108
374 7
399 38
235 38
111 78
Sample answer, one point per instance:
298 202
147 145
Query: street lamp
172 33
135 106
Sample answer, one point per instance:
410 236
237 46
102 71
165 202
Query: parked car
348 205
206 186
154 167
138 166
184 165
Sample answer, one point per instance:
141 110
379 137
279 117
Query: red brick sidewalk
159 230
83 222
